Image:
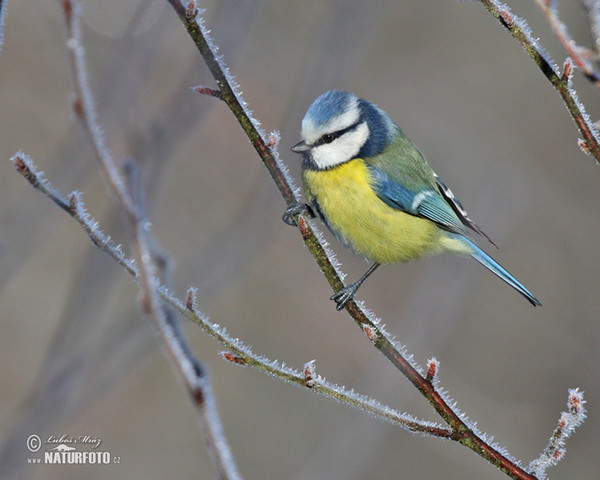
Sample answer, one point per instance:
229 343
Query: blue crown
335 103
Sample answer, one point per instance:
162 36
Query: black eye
328 138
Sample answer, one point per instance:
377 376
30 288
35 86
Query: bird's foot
294 209
346 294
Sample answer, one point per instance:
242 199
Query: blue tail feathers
494 267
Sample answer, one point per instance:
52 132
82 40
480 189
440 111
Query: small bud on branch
432 368
310 374
567 70
369 332
507 18
233 358
191 11
210 92
190 299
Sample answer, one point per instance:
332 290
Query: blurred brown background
76 356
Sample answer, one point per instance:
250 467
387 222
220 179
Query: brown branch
237 353
576 52
172 340
592 14
2 14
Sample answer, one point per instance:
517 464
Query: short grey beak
300 147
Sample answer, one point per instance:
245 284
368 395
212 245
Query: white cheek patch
341 149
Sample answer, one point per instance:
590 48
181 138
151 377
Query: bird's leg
294 209
347 293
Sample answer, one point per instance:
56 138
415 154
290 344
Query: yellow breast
361 220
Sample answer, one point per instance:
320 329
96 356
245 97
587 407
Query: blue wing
441 207
426 203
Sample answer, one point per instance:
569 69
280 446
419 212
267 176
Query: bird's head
338 127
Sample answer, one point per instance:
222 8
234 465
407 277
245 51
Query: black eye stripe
330 137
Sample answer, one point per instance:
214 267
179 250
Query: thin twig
2 14
519 29
576 52
591 9
172 341
567 423
237 352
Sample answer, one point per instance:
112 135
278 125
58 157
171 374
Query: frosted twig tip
191 11
575 402
19 163
25 167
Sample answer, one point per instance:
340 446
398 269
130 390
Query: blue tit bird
371 186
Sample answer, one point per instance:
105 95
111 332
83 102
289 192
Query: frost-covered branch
230 93
2 14
561 81
237 352
171 338
591 9
581 56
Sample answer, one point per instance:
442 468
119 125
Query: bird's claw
342 297
294 209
